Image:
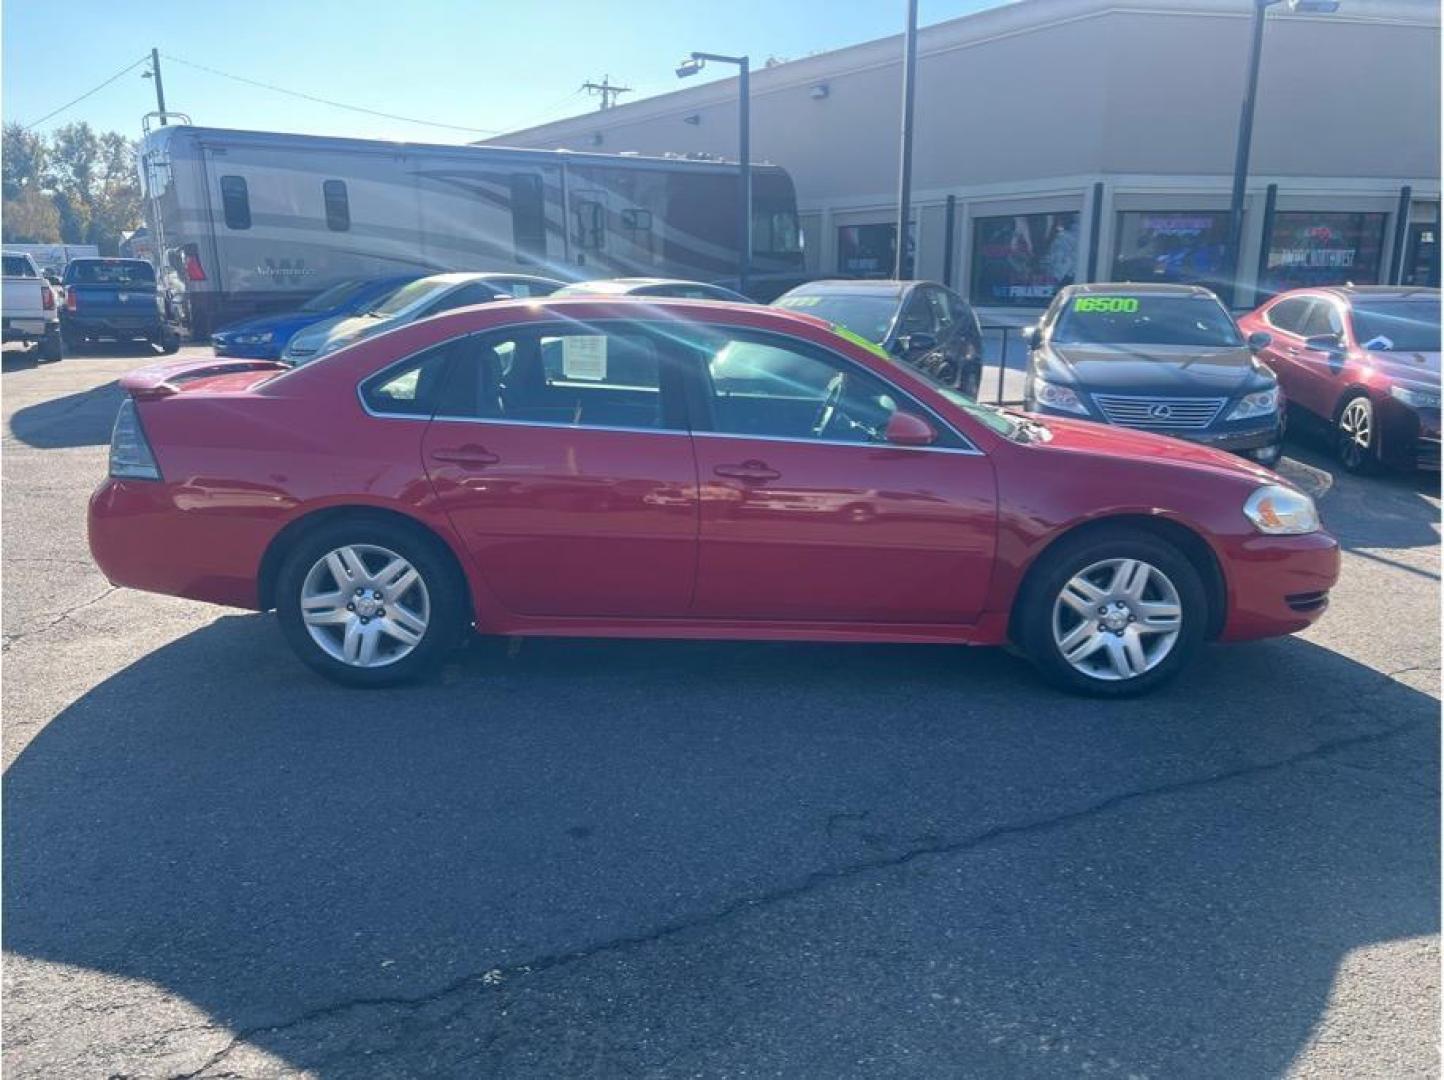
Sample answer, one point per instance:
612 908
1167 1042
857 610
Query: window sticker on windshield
860 341
585 357
1125 304
799 301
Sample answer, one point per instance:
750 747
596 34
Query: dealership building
1091 140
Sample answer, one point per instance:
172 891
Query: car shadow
80 419
730 857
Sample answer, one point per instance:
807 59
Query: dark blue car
263 338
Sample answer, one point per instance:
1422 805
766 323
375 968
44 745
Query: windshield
335 296
1397 325
407 295
1146 319
869 315
110 272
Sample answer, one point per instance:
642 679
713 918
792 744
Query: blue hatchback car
264 337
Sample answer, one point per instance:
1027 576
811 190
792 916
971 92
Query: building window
1023 259
528 217
868 251
1307 248
338 205
236 202
1188 246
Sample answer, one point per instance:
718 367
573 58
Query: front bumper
1408 437
1277 584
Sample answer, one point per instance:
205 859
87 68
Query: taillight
47 298
130 454
194 270
71 301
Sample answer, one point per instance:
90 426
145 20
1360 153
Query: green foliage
76 187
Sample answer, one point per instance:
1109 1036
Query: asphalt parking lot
692 859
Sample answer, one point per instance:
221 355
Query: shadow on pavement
615 857
80 419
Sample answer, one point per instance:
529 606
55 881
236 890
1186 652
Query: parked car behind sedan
118 299
654 287
1161 358
921 322
265 338
1363 359
603 468
420 299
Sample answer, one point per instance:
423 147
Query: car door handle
471 455
756 471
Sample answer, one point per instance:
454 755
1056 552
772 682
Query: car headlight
1281 511
1054 396
1259 403
254 339
1416 397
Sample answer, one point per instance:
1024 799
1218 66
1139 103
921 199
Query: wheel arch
1189 541
295 531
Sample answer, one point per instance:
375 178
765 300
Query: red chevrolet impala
684 469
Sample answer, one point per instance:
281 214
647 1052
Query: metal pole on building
1241 152
901 269
1401 234
1095 225
949 228
691 66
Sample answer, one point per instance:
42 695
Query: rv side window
338 205
528 216
591 224
236 201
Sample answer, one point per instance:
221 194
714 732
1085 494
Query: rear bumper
127 326
1277 584
20 329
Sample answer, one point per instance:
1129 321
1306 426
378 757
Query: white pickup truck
27 303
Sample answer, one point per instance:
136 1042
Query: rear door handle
756 471
471 455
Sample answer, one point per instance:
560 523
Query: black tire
1033 616
170 341
443 581
50 347
1357 455
71 342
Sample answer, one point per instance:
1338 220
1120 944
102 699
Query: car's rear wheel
1356 439
50 346
1112 612
370 603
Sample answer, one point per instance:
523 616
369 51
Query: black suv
922 322
1164 358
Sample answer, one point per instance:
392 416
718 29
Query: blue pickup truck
115 298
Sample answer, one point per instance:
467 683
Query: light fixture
819 91
690 66
692 118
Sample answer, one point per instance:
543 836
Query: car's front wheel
1112 612
1355 436
370 603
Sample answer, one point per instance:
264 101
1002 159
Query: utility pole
154 73
607 90
901 269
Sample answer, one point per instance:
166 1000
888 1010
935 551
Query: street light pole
905 163
691 66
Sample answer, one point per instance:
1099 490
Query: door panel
826 531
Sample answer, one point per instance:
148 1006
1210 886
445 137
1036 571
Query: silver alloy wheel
1356 426
1117 619
365 605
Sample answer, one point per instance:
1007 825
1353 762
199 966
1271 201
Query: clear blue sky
486 64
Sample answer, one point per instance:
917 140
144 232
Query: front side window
415 292
1144 319
1022 260
338 205
476 292
236 202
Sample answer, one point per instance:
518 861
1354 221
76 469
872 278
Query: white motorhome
259 221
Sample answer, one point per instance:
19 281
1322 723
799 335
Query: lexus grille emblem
1160 412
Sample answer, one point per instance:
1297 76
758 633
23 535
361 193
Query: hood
1409 368
282 322
1169 370
329 334
1084 436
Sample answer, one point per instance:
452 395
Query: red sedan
1364 359
684 469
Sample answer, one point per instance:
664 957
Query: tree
31 217
23 157
87 179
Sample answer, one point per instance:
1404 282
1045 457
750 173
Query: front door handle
470 456
755 471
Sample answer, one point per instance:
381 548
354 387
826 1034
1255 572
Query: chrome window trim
507 422
968 451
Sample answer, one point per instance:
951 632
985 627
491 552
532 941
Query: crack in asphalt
817 879
21 635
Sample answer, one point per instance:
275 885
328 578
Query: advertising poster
1170 246
1023 259
1315 248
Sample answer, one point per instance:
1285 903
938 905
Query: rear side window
338 205
412 387
1323 318
18 266
236 202
1288 314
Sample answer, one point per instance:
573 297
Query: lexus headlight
1053 396
1281 511
1416 397
1259 403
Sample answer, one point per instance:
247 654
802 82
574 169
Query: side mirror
1325 343
919 342
908 429
1032 336
1260 340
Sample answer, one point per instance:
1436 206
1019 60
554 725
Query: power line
326 101
82 97
608 90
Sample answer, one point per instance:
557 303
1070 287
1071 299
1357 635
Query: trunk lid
213 375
